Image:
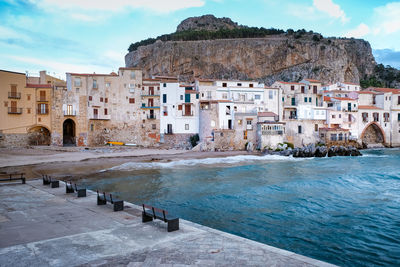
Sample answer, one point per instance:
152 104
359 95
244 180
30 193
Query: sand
75 161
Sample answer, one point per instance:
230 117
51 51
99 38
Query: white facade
342 87
179 109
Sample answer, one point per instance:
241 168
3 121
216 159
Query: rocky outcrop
275 57
207 23
315 151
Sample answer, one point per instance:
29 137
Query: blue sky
93 35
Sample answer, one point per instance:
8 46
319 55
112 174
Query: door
42 96
150 102
95 113
293 101
349 106
13 106
315 89
152 114
169 128
151 90
188 110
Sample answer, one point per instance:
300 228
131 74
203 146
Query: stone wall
14 140
178 141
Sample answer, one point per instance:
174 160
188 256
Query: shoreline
72 161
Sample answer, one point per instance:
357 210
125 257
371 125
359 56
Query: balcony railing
13 110
272 132
42 111
151 117
69 112
14 95
187 113
43 99
149 94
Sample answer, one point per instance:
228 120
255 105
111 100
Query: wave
233 160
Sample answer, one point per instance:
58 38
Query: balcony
149 107
249 127
98 117
14 110
151 117
149 94
272 132
187 114
70 113
42 111
14 95
43 99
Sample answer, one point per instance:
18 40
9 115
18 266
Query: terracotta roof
266 114
151 84
123 68
291 83
327 98
205 80
352 83
90 74
387 90
191 92
333 129
344 98
31 85
368 107
312 81
150 80
366 92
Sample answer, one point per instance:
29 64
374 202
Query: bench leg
146 218
55 184
173 225
101 201
118 205
68 190
23 180
81 192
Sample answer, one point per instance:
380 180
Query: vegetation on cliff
384 76
196 35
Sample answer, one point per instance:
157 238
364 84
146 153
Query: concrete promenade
41 226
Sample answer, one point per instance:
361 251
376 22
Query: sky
93 35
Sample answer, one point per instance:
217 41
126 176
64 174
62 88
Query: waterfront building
150 110
342 86
26 108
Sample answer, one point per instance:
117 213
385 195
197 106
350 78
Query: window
101 99
333 116
94 84
224 84
386 117
186 127
209 94
340 137
375 116
179 107
105 111
314 89
251 85
309 99
239 122
316 127
29 111
42 96
164 98
340 116
131 100
299 129
29 97
365 116
108 85
181 97
154 126
270 95
77 82
305 99
106 100
239 84
258 97
333 137
302 89
133 76
165 111
91 127
164 85
43 109
398 116
90 98
292 87
69 110
245 135
224 96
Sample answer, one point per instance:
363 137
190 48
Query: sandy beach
77 161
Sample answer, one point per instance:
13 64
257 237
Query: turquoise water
343 210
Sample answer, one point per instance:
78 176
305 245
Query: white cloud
59 67
330 8
161 6
387 19
8 33
358 32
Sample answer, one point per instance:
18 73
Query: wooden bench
72 188
48 181
13 177
149 213
102 199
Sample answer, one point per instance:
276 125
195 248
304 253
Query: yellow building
25 114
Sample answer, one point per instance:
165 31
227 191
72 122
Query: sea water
342 210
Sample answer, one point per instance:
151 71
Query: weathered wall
179 141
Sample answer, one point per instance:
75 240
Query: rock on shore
315 151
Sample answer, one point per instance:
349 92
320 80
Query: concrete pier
41 226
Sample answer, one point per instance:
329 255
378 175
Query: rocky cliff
287 56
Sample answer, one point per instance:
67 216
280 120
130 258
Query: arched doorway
373 134
39 136
69 133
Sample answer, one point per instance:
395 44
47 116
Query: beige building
26 108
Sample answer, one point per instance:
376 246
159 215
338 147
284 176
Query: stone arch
39 135
373 134
69 133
